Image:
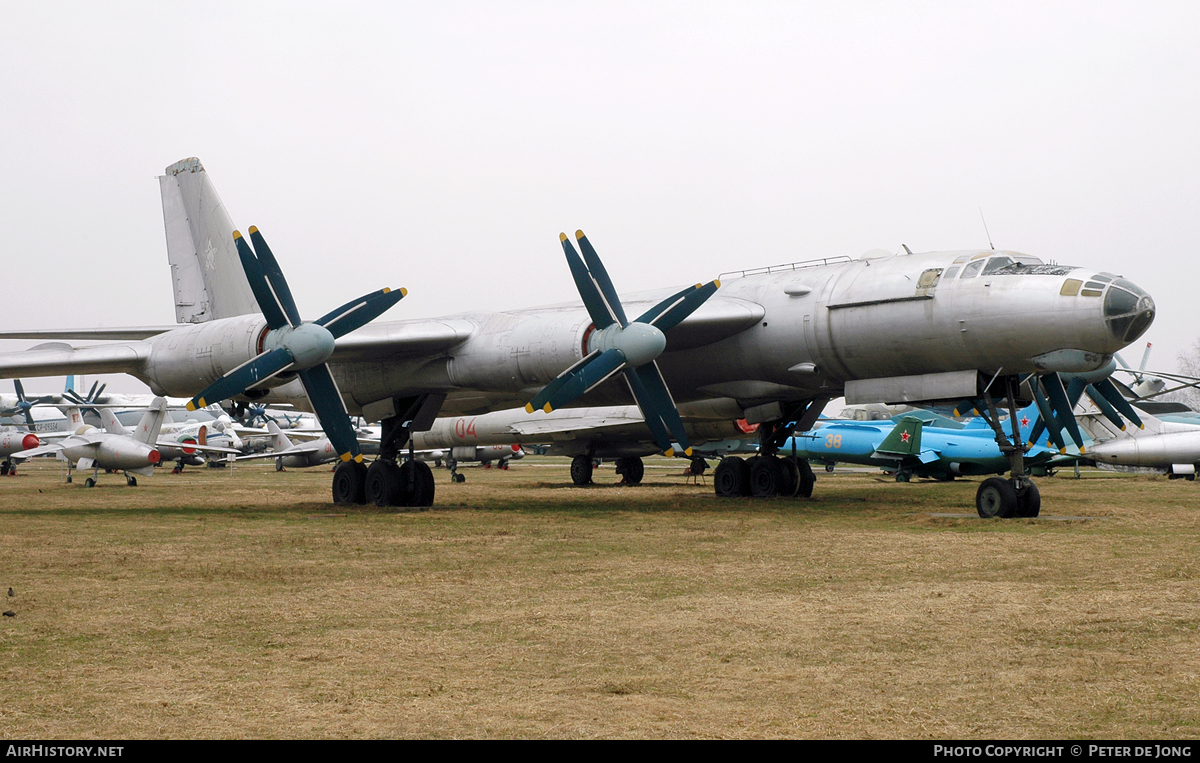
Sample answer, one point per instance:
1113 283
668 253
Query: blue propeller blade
677 311
586 377
600 312
271 269
331 410
1062 407
539 400
658 429
658 403
243 377
1045 420
1105 407
360 312
1109 390
600 275
267 302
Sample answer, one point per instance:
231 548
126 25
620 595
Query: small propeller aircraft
778 342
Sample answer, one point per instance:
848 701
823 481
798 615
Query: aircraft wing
547 426
57 358
38 451
299 450
400 338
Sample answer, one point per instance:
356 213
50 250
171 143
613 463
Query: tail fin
904 440
151 424
279 440
74 419
111 425
205 270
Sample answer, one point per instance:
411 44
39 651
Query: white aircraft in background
779 342
14 441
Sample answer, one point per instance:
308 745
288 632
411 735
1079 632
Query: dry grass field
244 604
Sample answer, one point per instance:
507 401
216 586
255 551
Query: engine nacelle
15 442
189 358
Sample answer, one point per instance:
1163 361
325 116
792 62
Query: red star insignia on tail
904 436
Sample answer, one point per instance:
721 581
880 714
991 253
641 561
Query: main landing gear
764 477
391 480
631 469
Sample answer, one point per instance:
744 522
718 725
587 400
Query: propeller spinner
620 346
294 346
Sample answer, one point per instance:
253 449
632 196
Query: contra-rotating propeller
293 346
619 345
24 406
1056 402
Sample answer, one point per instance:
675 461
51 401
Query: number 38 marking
833 441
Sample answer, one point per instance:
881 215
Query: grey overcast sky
443 146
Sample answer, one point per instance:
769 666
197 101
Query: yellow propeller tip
191 406
669 452
529 407
237 235
547 408
358 459
688 453
717 282
699 285
562 237
253 230
578 234
403 292
345 456
1082 449
1062 451
387 290
1122 427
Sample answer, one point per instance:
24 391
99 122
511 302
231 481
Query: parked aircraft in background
1171 447
14 441
776 342
90 448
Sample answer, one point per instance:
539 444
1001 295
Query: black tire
4 467
349 483
279 464
1029 501
996 499
699 466
460 478
416 484
632 469
766 477
383 483
89 482
581 470
903 476
791 477
829 468
807 479
131 481
731 477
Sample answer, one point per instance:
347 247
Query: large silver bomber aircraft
777 343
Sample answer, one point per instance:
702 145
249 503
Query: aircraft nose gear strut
1016 496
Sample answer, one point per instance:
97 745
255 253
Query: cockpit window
972 269
950 272
1128 310
996 263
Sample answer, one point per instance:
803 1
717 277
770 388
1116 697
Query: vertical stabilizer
151 424
111 424
279 441
206 273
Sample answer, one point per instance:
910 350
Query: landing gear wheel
807 479
766 477
279 464
633 470
829 468
4 467
349 483
89 482
731 477
1029 501
416 484
130 480
996 499
383 483
699 466
581 470
791 477
459 478
903 476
